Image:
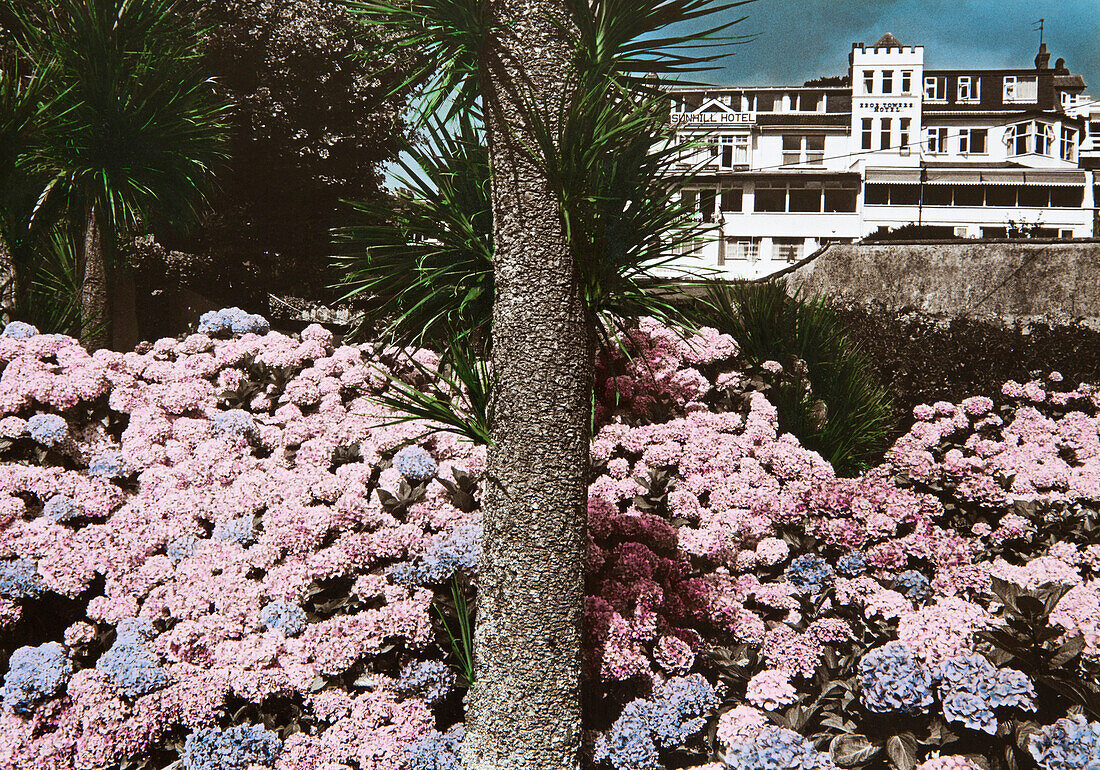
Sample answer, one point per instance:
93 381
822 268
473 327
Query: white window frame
885 134
867 135
1014 86
966 141
907 81
887 81
938 90
969 89
1067 149
868 82
904 125
936 140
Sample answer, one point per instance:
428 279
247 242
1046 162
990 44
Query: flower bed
214 549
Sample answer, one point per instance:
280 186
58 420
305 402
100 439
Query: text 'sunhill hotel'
784 170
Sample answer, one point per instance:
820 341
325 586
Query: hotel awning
970 176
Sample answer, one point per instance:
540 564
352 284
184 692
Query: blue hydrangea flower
35 674
454 550
432 680
61 508
48 429
133 668
436 750
891 678
913 585
235 424
676 711
134 630
284 616
971 710
1070 743
109 465
182 547
19 579
809 573
415 464
777 748
403 573
19 330
1014 688
232 320
241 530
851 564
232 749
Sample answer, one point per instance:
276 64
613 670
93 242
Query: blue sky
800 39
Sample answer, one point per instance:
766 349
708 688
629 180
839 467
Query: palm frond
422 265
439 43
458 398
134 126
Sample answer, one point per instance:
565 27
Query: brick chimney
1042 59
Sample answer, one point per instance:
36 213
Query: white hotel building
974 153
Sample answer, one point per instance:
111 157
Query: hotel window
770 197
884 134
887 81
731 199
1021 89
792 149
805 197
866 134
789 249
840 197
815 149
968 89
807 148
906 82
1094 128
935 88
973 141
903 134
733 151
1068 145
937 140
868 81
1031 137
747 249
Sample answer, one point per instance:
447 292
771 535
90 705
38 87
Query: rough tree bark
94 332
8 286
524 709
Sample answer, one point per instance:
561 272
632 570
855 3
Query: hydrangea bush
222 551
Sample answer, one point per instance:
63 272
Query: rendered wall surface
1012 282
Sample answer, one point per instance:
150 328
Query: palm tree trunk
93 288
8 286
524 708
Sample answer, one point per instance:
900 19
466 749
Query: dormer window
935 88
968 89
1017 89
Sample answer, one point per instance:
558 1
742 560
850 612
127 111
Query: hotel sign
887 106
714 118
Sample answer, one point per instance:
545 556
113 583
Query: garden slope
255 568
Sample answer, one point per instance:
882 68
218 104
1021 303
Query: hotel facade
782 171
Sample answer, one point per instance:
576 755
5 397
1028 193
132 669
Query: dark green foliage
420 264
135 126
924 360
827 395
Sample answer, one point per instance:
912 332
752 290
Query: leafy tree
134 129
313 118
560 84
